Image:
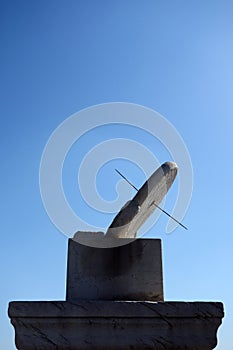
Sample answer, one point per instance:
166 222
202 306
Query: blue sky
58 57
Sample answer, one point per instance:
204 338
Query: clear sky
58 57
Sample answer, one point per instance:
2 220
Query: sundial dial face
135 212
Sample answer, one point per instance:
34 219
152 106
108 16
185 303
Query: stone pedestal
128 272
115 301
113 325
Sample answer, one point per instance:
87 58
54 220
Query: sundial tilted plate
135 212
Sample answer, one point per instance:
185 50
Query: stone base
113 325
129 272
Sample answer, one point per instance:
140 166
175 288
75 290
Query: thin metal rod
127 180
164 211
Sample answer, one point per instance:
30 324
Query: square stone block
128 272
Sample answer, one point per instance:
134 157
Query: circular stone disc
135 212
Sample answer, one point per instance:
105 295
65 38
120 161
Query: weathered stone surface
113 325
135 212
100 240
128 272
122 280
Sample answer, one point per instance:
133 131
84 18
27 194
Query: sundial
136 211
115 296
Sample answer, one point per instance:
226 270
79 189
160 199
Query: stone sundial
136 211
114 297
